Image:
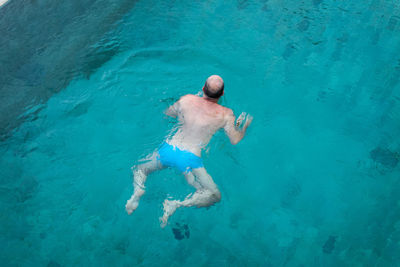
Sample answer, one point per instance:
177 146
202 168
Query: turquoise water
315 182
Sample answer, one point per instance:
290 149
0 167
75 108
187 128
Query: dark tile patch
303 25
26 189
31 73
242 4
344 38
321 95
122 246
43 235
177 233
385 157
235 218
329 245
289 50
375 36
292 191
265 8
317 2
79 109
53 264
337 54
169 100
316 42
392 23
181 231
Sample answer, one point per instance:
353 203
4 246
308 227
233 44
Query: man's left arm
173 110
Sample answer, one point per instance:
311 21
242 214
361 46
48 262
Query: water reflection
45 44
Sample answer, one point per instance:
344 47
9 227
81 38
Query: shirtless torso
199 119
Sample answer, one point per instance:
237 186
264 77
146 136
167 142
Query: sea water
315 181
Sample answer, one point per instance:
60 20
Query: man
200 118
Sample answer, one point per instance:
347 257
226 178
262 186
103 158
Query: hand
240 119
247 118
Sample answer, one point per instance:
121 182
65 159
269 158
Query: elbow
235 141
235 137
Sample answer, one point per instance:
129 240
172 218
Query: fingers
244 117
249 119
240 119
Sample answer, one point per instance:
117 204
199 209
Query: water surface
314 183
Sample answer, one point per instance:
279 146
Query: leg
140 174
206 194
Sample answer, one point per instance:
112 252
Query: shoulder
188 98
229 117
228 112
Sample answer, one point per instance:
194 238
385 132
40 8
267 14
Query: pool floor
315 182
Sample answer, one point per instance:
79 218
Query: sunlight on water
314 183
2 2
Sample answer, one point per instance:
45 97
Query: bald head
214 86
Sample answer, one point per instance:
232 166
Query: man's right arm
232 129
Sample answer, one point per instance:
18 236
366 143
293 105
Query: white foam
2 2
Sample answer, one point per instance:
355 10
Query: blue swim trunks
172 156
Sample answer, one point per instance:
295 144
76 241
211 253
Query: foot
170 207
138 183
131 205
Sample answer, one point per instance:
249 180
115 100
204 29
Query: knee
139 170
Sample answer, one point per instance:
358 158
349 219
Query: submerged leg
206 194
140 174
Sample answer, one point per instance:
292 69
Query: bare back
199 119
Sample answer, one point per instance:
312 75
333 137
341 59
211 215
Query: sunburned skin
199 119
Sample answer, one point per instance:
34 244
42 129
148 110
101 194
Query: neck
214 100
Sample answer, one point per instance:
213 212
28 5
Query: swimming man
200 118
